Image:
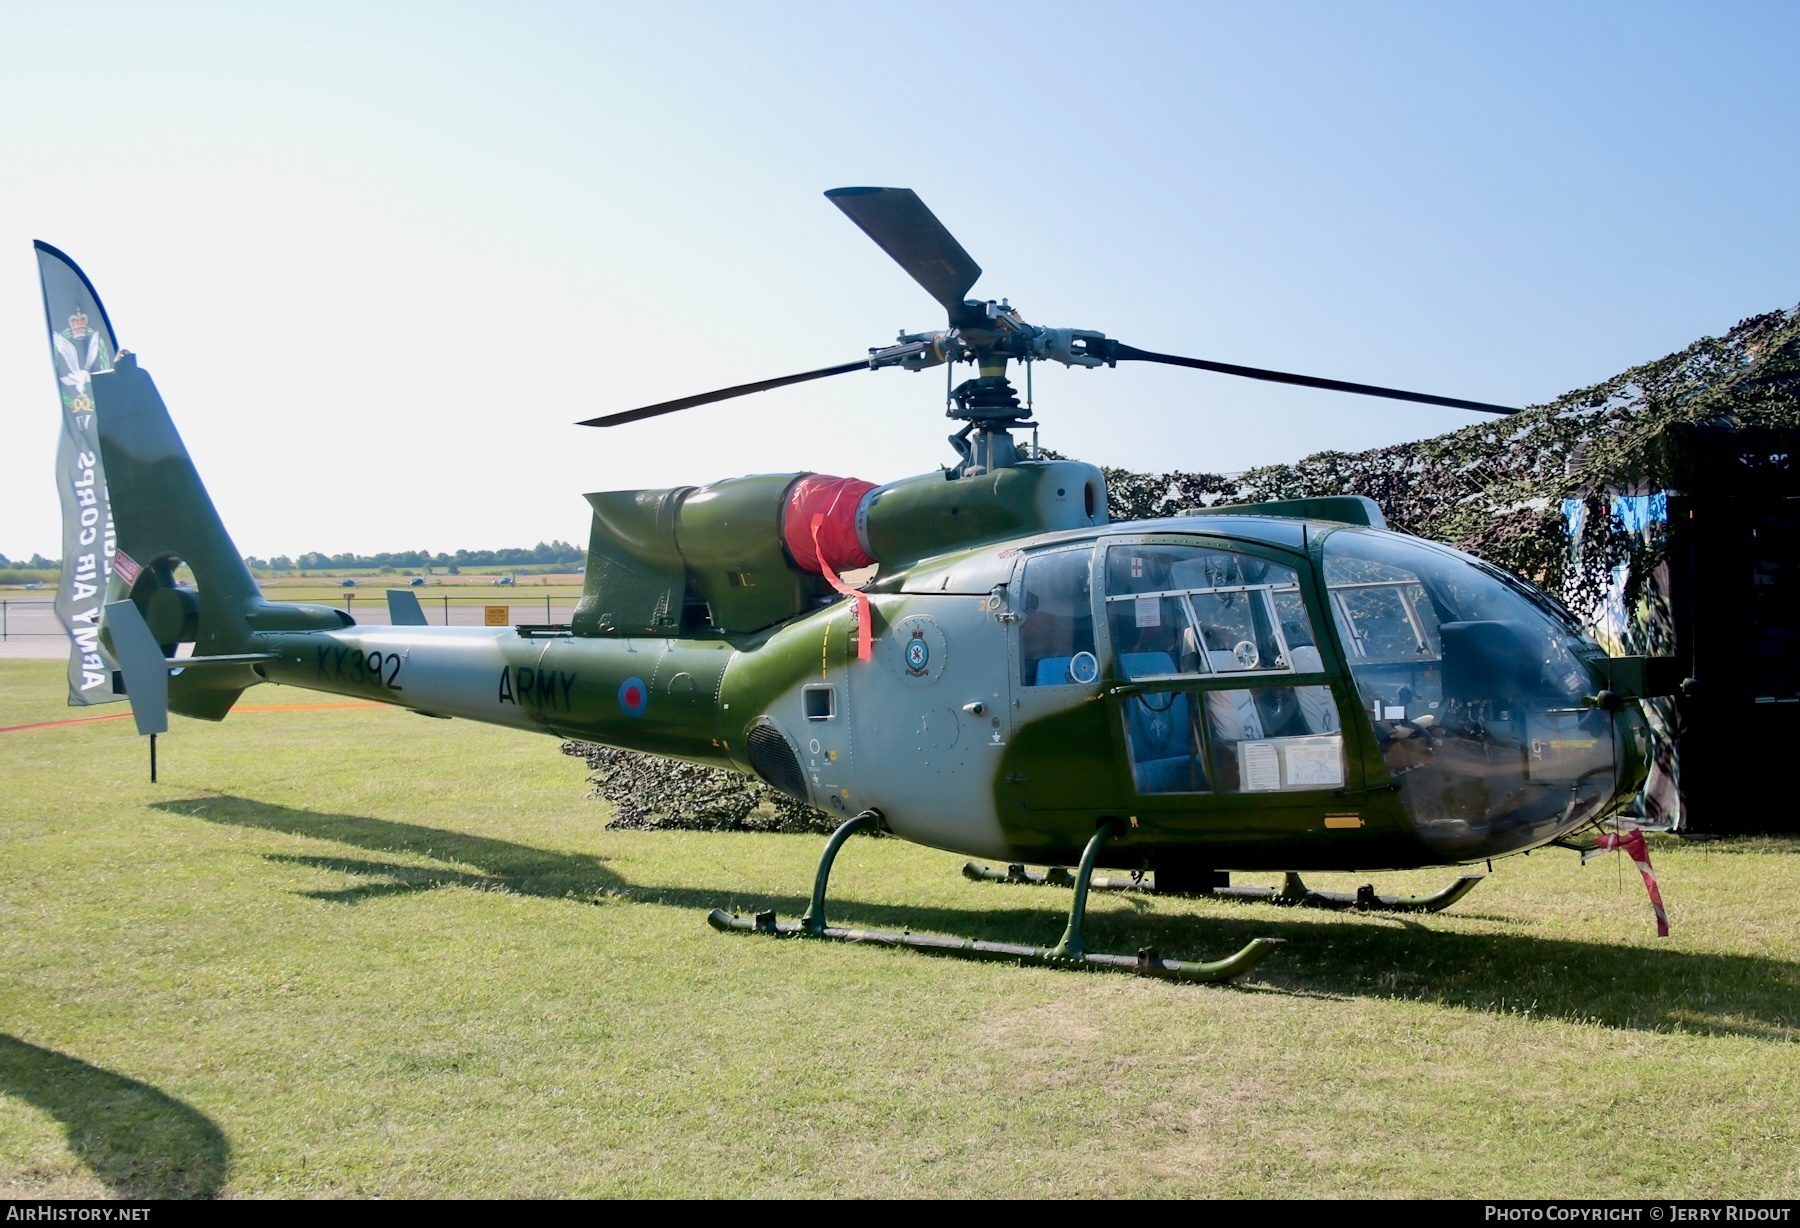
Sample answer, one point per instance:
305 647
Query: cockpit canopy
1469 683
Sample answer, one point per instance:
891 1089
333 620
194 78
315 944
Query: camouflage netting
1497 489
648 791
1501 490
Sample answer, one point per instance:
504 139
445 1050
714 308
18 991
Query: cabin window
1168 753
1056 620
1385 619
1261 739
1272 739
1175 609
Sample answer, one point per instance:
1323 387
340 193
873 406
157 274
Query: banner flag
81 346
1632 843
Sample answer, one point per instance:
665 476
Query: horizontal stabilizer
224 658
142 662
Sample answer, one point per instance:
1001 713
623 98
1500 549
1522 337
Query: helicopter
1285 687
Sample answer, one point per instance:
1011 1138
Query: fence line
8 606
10 611
444 601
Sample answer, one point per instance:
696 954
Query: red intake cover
835 499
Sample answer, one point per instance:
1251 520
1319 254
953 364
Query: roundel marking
634 696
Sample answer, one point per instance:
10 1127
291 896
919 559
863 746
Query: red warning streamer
858 601
1631 842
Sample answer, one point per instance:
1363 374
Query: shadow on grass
140 1142
1622 986
499 865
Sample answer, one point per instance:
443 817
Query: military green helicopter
1272 687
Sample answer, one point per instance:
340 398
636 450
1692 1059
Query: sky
381 257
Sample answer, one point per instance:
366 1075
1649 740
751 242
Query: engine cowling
739 555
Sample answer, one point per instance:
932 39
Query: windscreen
1474 688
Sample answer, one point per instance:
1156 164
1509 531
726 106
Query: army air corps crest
82 353
918 653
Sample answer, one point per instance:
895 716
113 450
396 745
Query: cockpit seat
1053 671
1317 706
1233 713
1161 729
1489 660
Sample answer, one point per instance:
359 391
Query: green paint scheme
1345 509
930 514
635 579
730 535
950 745
655 554
1067 771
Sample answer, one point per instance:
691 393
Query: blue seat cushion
1179 775
1162 741
1144 664
1053 671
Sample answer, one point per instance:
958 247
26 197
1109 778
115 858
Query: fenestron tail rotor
990 334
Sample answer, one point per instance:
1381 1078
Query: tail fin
164 518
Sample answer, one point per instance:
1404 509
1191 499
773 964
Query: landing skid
1071 952
1292 890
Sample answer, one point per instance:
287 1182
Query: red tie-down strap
858 602
1631 843
819 529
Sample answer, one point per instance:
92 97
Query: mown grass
360 952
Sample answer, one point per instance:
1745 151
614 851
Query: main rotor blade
1126 353
723 394
905 229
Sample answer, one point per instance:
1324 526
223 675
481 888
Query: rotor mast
989 403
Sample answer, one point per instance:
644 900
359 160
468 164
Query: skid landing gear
1071 952
1292 890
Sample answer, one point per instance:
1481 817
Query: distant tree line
543 552
36 562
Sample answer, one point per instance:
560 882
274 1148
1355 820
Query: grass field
357 952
